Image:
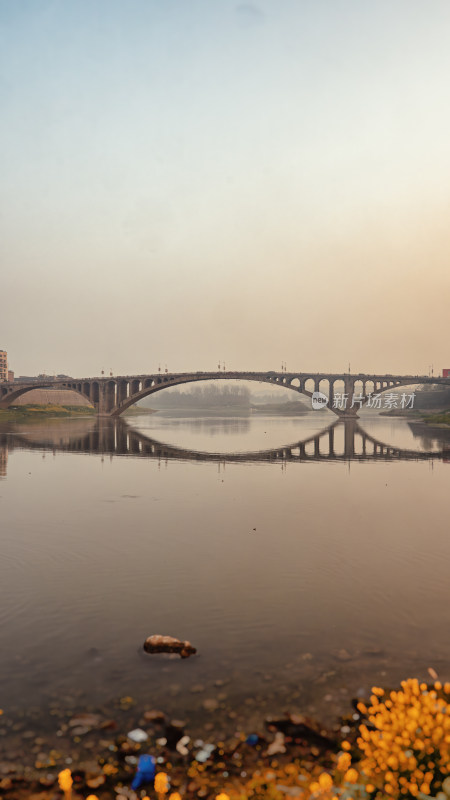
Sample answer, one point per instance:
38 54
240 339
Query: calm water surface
302 574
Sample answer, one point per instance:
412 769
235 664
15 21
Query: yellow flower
325 781
344 762
65 780
161 783
351 776
346 745
407 744
109 769
222 796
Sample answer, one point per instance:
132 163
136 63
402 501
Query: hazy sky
184 181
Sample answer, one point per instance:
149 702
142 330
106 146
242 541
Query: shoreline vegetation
35 411
440 419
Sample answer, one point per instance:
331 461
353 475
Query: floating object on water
168 644
145 772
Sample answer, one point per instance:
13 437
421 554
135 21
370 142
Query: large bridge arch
158 383
304 383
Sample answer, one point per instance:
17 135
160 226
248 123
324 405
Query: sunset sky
188 181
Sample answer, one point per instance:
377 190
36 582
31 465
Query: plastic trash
181 745
138 735
205 753
145 772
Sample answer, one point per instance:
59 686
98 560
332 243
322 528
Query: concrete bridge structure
112 396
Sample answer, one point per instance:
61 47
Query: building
3 460
3 365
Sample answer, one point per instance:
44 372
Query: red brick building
3 365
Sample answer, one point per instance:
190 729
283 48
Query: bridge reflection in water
341 441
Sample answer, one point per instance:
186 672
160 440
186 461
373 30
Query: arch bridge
112 396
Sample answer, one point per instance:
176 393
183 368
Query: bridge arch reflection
341 441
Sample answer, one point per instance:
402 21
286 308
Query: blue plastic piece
145 772
252 739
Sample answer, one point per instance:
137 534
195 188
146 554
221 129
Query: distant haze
189 182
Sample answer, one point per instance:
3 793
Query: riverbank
440 419
437 418
28 412
291 756
102 753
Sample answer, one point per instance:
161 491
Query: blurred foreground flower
406 741
65 783
161 784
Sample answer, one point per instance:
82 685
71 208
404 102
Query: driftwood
168 644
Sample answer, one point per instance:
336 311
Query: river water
304 562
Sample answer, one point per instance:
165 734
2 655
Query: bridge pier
347 411
106 398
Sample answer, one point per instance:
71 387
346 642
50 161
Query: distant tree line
211 396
